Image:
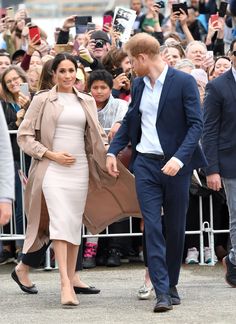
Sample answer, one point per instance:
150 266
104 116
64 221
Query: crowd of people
73 99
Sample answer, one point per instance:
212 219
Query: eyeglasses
234 53
8 82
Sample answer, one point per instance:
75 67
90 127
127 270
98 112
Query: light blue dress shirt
149 104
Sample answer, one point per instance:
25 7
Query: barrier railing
204 226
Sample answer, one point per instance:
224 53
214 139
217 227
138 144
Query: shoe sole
89 267
175 302
145 297
22 287
162 309
226 279
11 260
192 262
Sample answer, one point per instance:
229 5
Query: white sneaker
192 256
145 292
207 255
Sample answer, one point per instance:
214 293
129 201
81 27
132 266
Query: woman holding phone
14 105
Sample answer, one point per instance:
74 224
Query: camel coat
108 199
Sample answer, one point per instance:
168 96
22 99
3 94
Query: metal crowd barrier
204 227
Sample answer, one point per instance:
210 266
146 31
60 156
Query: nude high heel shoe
68 298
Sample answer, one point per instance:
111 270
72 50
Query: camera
160 4
99 43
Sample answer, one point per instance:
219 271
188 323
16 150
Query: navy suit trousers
156 190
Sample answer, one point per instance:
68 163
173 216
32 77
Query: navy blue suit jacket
178 121
219 136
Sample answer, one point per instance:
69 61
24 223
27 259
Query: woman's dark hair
100 75
21 73
62 57
222 57
46 77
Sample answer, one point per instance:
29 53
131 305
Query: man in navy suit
164 125
219 144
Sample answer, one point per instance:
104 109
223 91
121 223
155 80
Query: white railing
205 227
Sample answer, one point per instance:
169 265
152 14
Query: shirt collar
161 78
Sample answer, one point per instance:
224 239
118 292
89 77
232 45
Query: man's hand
111 165
214 182
121 81
171 168
5 212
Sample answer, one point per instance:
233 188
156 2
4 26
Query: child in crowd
110 112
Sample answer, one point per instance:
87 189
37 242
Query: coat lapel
231 82
166 86
136 97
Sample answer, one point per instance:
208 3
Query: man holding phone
99 44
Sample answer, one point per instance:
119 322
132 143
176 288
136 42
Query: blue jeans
230 190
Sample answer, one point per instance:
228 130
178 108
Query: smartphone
62 48
10 13
210 54
107 21
33 31
117 72
214 18
223 8
177 6
160 4
90 26
27 20
24 88
81 24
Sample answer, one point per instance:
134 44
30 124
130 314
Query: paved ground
205 298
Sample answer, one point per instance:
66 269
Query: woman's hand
85 54
23 100
183 17
62 158
69 23
32 45
20 116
